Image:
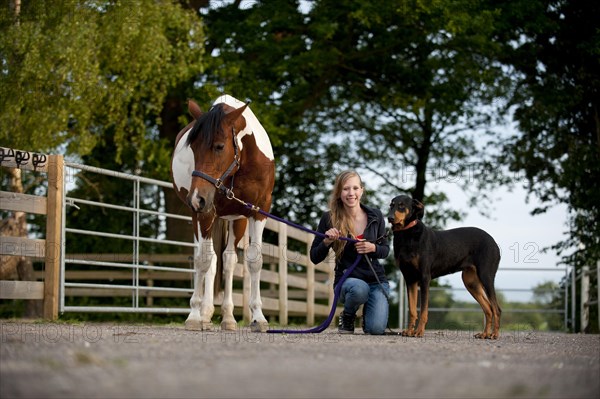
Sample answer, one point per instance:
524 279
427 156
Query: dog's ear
418 209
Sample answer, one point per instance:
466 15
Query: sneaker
346 325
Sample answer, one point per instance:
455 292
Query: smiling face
351 191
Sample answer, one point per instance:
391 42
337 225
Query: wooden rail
48 248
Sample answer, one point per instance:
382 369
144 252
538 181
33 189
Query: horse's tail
219 237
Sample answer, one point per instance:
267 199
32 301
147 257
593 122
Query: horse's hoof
193 325
207 326
228 325
198 325
259 326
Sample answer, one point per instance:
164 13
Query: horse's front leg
255 261
205 266
229 261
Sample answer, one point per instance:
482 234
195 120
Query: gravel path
47 360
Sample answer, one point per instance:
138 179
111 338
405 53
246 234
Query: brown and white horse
226 147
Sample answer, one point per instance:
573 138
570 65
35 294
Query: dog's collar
410 225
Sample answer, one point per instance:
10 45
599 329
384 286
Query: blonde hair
339 217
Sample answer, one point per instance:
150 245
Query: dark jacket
374 232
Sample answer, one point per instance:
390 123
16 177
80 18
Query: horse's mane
207 126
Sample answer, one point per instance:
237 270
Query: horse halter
218 183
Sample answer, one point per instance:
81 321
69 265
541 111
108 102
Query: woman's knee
356 289
376 313
376 323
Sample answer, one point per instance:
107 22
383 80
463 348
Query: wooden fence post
330 261
53 236
310 283
585 297
573 298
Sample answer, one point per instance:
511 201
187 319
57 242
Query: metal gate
74 281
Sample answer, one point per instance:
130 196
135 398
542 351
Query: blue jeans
356 292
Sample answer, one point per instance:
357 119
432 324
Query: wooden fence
49 248
292 286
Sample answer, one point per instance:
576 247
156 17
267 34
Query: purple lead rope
336 295
338 288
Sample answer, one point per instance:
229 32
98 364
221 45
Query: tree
557 107
79 75
75 69
378 86
544 293
408 90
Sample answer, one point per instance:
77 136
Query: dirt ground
57 360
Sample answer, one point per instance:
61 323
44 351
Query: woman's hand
364 247
332 235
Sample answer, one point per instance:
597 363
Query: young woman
347 217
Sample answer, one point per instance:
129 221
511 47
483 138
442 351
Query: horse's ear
194 109
418 209
234 118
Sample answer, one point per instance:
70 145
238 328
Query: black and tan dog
423 254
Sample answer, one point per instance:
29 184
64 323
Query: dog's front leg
424 307
412 293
